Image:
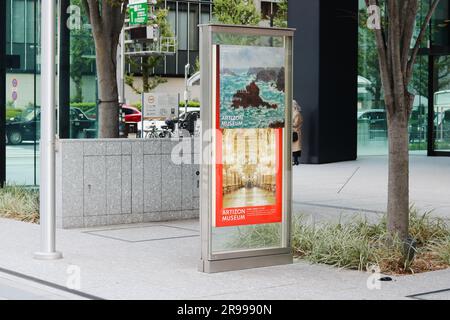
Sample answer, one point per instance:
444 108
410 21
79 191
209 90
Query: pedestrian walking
297 123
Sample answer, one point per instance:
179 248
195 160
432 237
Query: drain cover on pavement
143 234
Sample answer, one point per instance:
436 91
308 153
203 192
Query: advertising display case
246 159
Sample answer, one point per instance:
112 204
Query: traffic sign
138 13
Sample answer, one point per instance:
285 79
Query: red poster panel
249 157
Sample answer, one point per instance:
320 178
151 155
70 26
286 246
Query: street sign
15 83
138 13
159 106
14 96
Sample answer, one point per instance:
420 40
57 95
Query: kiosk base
245 263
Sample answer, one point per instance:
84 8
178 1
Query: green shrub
442 250
83 106
191 104
13 113
358 244
262 236
19 203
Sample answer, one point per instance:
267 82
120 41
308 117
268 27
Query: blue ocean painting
252 87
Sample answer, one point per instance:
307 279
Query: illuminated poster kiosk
246 168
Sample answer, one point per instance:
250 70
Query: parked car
26 126
376 122
442 125
376 118
80 124
132 114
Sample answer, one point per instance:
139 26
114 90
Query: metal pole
186 92
47 189
2 92
121 68
142 114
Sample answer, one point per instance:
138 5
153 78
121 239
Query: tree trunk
107 88
145 75
377 97
398 189
79 90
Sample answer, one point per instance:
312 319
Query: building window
21 28
268 9
371 116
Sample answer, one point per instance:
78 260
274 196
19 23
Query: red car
131 114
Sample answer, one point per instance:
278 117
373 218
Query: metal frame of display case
212 262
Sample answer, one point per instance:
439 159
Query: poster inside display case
246 169
250 114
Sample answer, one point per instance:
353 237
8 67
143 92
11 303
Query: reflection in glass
22 101
442 104
371 114
83 82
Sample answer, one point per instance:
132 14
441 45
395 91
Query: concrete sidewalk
328 191
18 287
159 261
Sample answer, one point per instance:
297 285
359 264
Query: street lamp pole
186 91
47 144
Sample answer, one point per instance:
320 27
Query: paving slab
167 269
361 186
159 260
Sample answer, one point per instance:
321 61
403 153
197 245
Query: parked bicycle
153 132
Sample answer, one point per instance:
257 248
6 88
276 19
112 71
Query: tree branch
410 8
398 79
383 59
94 16
415 51
88 11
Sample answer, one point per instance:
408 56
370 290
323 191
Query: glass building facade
429 125
184 18
22 91
77 75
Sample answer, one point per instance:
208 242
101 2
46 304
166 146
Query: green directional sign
138 13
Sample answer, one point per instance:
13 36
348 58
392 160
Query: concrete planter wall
108 182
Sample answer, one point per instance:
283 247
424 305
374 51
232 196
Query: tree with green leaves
239 12
368 66
281 20
398 41
81 41
107 19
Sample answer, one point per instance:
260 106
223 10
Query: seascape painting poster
252 87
